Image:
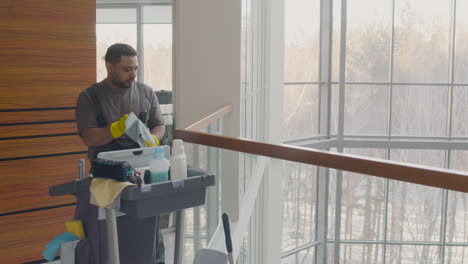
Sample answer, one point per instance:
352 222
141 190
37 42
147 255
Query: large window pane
157 14
330 253
460 111
457 218
361 254
368 40
299 204
363 202
457 211
300 110
414 212
421 44
461 38
366 109
421 55
108 34
305 256
456 255
157 39
302 40
116 16
412 255
419 110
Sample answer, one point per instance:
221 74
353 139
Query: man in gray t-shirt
101 111
102 108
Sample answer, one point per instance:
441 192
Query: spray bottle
178 161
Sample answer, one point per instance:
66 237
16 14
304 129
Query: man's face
123 73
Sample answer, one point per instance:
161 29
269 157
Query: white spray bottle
178 160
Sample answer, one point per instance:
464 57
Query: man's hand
156 140
117 128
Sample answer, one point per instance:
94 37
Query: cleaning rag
104 191
137 131
75 227
53 246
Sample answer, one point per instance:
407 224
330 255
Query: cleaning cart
130 238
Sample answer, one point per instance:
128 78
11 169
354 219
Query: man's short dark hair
116 51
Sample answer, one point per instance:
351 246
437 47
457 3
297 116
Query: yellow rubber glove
117 128
156 140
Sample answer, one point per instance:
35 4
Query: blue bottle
159 166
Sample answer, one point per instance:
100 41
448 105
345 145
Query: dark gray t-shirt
114 104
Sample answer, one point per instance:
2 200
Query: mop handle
227 235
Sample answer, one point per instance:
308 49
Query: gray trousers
140 240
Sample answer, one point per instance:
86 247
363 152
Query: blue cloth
53 247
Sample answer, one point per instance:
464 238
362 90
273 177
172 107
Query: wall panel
18 148
47 46
23 236
47 57
25 182
34 116
37 130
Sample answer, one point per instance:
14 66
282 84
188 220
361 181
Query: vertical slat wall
47 56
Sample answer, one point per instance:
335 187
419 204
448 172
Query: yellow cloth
75 227
104 191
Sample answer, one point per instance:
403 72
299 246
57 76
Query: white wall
207 64
207 59
207 75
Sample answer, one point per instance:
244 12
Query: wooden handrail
400 171
207 120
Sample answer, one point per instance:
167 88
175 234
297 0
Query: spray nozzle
159 153
177 147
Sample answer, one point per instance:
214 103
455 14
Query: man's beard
124 85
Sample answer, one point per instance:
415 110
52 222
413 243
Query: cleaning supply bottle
178 160
159 166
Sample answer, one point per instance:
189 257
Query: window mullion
140 45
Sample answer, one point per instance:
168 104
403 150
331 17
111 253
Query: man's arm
158 131
96 136
100 136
